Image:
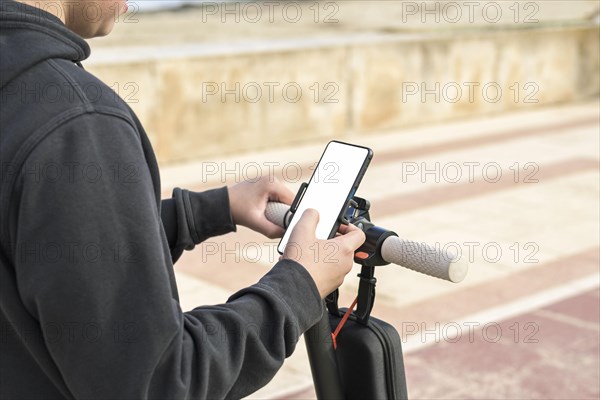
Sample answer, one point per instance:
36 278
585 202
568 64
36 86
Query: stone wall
200 100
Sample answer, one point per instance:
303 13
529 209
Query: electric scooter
382 247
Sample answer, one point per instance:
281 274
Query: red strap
342 322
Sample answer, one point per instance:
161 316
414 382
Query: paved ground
549 353
531 236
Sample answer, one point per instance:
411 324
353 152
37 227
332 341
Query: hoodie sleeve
189 218
93 267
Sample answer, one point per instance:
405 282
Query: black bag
369 359
368 350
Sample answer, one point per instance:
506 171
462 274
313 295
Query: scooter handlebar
419 257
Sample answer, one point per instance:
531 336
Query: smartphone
334 181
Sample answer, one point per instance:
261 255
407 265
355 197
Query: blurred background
484 119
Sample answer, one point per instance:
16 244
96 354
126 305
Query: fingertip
352 227
285 197
311 213
347 228
354 238
361 238
288 196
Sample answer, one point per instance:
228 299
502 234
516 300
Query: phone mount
368 255
295 203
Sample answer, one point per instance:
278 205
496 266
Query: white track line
441 331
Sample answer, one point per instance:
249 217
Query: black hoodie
88 302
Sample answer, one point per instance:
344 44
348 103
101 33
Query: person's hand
248 202
327 261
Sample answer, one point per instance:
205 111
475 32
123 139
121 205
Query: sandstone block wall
200 100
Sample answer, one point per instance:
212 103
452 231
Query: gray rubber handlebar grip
277 213
419 257
424 258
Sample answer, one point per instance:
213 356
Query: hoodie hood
29 35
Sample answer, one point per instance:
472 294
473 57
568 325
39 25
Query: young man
88 301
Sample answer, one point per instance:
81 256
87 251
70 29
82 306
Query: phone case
340 219
344 207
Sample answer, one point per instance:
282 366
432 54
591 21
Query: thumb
307 224
353 237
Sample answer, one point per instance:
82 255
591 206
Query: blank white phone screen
329 187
